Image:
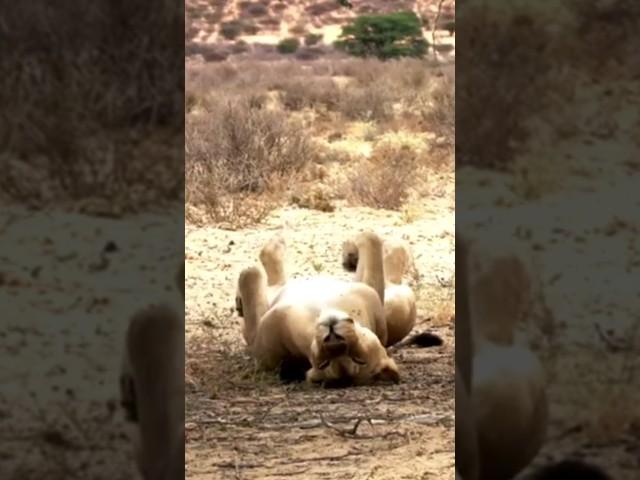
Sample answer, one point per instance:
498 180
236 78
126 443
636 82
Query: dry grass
79 105
384 180
438 109
509 58
237 157
274 119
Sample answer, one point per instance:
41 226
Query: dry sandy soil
65 309
242 423
581 228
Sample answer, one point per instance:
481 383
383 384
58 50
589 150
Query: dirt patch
66 308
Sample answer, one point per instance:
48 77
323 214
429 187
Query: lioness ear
389 372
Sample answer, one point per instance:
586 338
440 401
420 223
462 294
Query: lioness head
344 349
336 336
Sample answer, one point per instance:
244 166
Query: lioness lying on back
317 319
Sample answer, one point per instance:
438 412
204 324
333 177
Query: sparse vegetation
368 113
70 98
384 180
384 36
231 30
235 153
311 39
288 45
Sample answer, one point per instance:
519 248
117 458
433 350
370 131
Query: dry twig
433 29
350 432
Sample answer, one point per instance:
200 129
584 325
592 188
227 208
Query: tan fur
508 384
467 454
362 358
152 390
500 291
286 328
272 258
399 299
370 269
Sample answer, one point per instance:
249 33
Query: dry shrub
81 99
309 54
240 47
269 22
210 53
231 30
365 71
322 8
373 103
409 73
438 110
250 29
384 180
305 93
507 54
316 197
256 10
605 35
236 156
298 30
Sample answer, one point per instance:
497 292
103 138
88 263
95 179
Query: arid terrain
228 29
366 145
65 314
563 153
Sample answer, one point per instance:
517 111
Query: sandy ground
65 308
242 423
581 230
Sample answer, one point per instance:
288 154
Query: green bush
288 45
312 39
387 36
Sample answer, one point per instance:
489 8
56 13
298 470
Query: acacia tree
385 36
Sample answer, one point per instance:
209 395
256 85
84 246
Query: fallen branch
350 432
611 345
329 458
425 419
